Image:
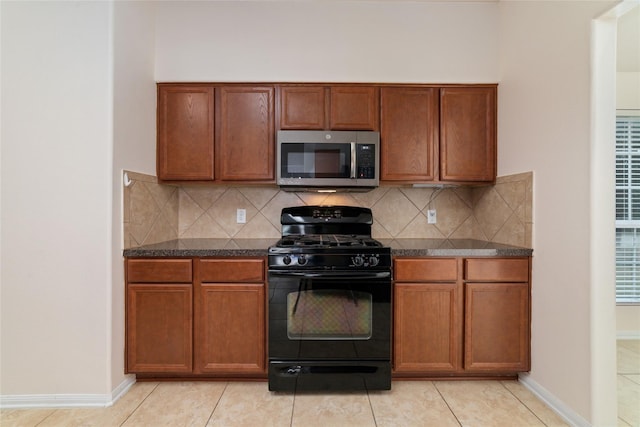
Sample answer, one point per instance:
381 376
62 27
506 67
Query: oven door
329 316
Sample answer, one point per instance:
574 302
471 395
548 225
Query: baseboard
67 400
568 414
628 335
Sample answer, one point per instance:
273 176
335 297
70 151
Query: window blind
628 210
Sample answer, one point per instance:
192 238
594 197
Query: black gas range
329 302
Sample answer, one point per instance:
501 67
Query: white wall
56 171
327 41
134 139
544 126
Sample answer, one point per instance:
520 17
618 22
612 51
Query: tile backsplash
156 212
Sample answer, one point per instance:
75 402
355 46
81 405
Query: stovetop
328 238
327 241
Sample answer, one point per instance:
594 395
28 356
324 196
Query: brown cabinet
409 134
427 316
245 143
468 134
461 316
230 317
159 316
185 133
354 108
497 315
215 133
303 107
339 107
431 134
196 317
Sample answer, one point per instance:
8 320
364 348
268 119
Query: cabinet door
185 132
497 327
354 108
245 148
159 325
427 329
468 134
230 329
303 107
409 134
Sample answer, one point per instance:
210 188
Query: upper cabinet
215 133
409 134
225 133
185 132
245 144
431 134
354 108
468 134
316 107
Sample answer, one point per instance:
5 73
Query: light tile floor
409 403
629 383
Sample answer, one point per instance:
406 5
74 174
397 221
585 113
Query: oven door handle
332 274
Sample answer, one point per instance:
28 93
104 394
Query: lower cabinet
197 317
230 317
461 316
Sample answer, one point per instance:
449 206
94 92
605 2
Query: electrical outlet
241 216
431 216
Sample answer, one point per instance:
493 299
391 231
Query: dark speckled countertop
259 247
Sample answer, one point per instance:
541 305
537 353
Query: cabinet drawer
425 270
159 271
497 269
232 270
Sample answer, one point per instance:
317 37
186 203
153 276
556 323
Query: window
628 210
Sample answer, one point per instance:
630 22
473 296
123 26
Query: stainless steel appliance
328 160
329 302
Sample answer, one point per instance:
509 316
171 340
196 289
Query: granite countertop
259 247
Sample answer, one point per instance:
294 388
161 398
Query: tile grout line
139 404
523 403
446 403
226 385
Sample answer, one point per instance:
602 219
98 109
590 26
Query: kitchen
536 52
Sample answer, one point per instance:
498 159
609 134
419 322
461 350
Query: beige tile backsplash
157 212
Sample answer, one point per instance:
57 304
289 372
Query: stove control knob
373 261
286 260
302 260
357 260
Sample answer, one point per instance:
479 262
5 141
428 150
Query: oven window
329 315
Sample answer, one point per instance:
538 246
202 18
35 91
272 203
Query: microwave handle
353 160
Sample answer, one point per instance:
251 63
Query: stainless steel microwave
327 160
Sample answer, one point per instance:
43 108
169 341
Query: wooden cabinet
230 317
461 316
497 315
303 107
431 134
196 317
409 119
185 133
215 133
354 108
159 316
245 145
339 107
468 134
428 316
